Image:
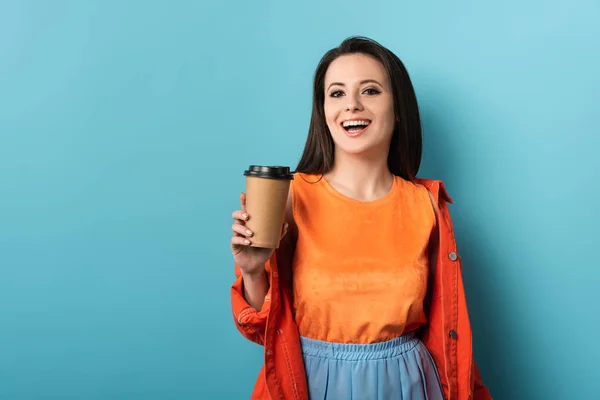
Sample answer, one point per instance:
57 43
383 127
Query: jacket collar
436 187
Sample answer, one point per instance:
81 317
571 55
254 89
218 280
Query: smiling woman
360 99
350 305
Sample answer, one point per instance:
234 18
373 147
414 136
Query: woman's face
359 104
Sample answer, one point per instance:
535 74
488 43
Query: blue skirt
401 368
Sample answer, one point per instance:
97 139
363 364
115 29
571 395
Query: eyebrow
361 82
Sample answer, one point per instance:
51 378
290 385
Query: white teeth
355 123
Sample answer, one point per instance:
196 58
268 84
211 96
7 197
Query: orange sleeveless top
360 269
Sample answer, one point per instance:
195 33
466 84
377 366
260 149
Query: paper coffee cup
267 189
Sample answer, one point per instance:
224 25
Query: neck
360 177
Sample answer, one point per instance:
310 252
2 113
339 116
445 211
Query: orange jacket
447 334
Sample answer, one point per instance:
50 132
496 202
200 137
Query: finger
243 201
240 216
237 242
284 230
241 230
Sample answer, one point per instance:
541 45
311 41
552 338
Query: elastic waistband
353 352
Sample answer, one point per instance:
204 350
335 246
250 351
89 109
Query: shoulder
301 192
301 179
303 186
422 188
436 188
438 197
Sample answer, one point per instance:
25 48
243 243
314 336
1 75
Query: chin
358 148
358 145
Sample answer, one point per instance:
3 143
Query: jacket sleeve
250 322
480 391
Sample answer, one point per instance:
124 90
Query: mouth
355 127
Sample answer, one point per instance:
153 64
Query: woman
364 297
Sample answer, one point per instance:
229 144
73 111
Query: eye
371 92
337 93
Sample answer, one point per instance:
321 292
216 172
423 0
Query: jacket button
275 274
453 334
452 256
269 352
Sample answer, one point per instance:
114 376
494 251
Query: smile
355 127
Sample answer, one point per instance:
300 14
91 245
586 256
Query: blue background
125 128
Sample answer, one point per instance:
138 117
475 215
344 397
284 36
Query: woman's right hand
251 260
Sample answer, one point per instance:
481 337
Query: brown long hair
404 157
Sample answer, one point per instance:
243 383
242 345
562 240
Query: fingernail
248 232
245 216
247 241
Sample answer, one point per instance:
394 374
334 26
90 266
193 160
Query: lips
355 127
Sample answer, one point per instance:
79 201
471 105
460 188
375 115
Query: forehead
352 68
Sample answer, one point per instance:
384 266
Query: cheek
389 117
330 116
391 120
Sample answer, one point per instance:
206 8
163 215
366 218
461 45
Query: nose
354 103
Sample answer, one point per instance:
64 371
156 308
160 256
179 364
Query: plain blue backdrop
125 128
